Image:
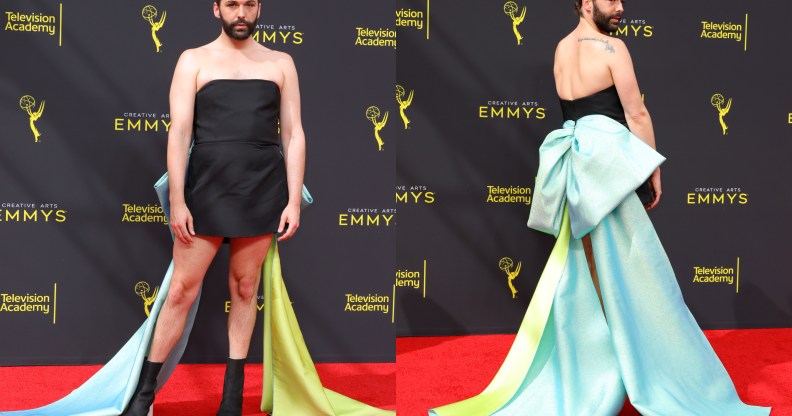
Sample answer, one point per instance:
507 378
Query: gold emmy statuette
717 101
373 113
403 104
27 103
142 289
510 8
149 13
506 264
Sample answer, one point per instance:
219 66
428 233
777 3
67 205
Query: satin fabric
569 360
291 384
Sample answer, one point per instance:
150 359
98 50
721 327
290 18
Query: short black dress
236 178
605 103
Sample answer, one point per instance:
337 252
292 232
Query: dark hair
578 7
257 1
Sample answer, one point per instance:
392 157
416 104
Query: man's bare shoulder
607 44
282 59
194 56
276 55
616 42
565 42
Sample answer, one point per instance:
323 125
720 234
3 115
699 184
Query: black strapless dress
605 103
236 179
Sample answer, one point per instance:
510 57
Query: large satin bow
591 165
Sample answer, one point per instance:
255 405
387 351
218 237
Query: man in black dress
234 55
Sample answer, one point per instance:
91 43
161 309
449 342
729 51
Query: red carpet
194 390
429 371
433 371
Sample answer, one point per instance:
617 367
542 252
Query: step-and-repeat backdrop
421 159
477 98
84 110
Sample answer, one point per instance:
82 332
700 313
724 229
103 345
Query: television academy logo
149 13
411 279
717 101
383 37
404 103
506 264
497 194
414 279
722 30
412 18
510 8
31 303
142 289
726 275
372 114
28 103
372 302
36 22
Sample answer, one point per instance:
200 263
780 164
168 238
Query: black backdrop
482 105
478 106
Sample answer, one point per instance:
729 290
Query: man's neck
587 25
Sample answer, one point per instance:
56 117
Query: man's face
238 17
608 16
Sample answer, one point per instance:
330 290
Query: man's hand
657 190
290 222
182 223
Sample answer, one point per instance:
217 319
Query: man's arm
623 73
293 140
182 102
638 119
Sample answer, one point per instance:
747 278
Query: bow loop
590 165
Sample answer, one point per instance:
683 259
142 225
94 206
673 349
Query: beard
231 30
603 21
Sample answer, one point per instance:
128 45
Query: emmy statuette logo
373 113
506 265
717 101
142 289
149 13
28 103
403 104
510 8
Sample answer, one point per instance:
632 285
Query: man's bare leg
592 267
190 262
244 275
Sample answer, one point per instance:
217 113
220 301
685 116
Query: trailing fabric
290 376
650 347
293 386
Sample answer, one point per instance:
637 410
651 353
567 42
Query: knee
180 295
246 287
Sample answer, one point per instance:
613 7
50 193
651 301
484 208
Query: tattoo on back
606 42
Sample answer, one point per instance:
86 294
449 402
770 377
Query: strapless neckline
605 90
233 80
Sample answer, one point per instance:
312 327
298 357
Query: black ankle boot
233 384
144 393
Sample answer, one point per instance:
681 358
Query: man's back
581 66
